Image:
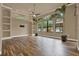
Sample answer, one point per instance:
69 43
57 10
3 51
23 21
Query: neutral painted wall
70 22
16 29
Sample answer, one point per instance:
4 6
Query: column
77 26
0 32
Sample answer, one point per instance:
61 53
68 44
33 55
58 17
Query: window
59 25
40 26
46 25
50 25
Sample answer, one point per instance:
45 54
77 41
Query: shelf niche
6 15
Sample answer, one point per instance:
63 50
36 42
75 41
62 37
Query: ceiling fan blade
32 12
37 14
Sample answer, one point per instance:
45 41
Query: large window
59 25
46 24
55 25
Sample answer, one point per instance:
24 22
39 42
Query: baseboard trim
13 37
6 38
19 36
69 39
72 39
78 48
0 52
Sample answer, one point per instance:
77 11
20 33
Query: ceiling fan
33 13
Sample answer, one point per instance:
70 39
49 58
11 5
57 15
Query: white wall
15 23
70 20
16 29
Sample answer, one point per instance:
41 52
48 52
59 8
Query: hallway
38 46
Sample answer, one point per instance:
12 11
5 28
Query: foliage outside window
59 19
46 24
59 25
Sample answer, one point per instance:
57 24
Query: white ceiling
41 8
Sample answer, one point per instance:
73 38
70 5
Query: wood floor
38 46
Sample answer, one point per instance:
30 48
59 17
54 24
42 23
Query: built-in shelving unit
6 20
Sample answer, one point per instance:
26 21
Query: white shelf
8 17
6 23
6 30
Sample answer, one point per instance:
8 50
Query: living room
28 27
